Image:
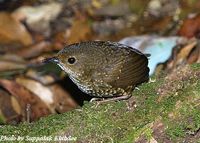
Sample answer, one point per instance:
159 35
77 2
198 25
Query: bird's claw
96 99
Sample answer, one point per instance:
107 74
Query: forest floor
166 109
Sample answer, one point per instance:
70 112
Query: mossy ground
172 116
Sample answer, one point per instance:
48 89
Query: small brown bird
103 68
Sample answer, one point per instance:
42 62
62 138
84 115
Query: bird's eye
71 60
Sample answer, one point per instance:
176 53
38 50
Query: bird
103 69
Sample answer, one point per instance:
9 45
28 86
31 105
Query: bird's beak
53 59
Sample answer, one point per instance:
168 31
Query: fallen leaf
25 97
41 91
12 57
11 62
9 66
190 27
10 110
96 4
160 8
60 39
34 50
80 31
39 17
44 79
185 51
194 56
12 31
108 27
114 10
53 95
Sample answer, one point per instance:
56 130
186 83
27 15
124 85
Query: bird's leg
96 99
125 97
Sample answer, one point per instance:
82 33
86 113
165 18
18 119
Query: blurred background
32 30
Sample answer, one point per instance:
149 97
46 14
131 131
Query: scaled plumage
103 68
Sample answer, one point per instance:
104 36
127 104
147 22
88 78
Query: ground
166 109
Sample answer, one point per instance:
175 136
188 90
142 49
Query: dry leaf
113 10
34 50
25 97
194 55
9 65
60 39
41 91
44 79
80 31
39 17
12 31
190 27
10 110
11 62
54 96
185 51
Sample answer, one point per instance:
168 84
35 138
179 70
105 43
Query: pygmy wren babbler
103 68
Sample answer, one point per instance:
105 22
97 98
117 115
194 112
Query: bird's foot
96 99
125 97
104 100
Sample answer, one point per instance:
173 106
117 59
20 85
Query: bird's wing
129 70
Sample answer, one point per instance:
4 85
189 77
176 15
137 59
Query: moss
188 120
195 66
175 132
2 120
121 122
